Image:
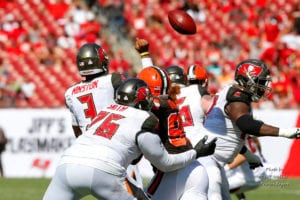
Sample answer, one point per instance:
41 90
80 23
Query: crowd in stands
39 40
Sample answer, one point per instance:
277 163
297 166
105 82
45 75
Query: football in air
182 22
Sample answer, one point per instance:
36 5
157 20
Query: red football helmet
196 74
254 77
157 80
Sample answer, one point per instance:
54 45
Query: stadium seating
52 81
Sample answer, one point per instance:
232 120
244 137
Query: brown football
182 22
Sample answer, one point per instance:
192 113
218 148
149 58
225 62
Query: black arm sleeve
248 125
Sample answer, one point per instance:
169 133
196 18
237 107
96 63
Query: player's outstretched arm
154 151
239 112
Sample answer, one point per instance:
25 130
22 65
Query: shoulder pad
235 94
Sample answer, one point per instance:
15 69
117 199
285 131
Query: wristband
144 53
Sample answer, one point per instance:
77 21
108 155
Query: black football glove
255 165
253 160
203 149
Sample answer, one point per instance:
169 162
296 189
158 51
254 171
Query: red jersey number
185 112
108 127
90 111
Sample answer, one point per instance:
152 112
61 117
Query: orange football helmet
157 80
196 74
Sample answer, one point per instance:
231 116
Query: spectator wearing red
119 63
278 54
282 97
90 29
272 24
58 8
295 81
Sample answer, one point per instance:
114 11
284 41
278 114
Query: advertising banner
37 137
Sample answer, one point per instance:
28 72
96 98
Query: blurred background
39 40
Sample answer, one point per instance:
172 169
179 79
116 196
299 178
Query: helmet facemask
143 99
258 88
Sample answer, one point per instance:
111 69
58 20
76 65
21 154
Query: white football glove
289 133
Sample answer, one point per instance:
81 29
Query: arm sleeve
147 62
247 124
154 151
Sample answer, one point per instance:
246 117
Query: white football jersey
230 138
110 143
192 114
85 99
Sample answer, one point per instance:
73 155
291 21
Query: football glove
289 133
203 149
141 45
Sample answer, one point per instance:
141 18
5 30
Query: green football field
33 189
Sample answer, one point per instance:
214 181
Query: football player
192 181
87 97
95 164
218 188
231 117
194 103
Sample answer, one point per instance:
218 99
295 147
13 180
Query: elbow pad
248 125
